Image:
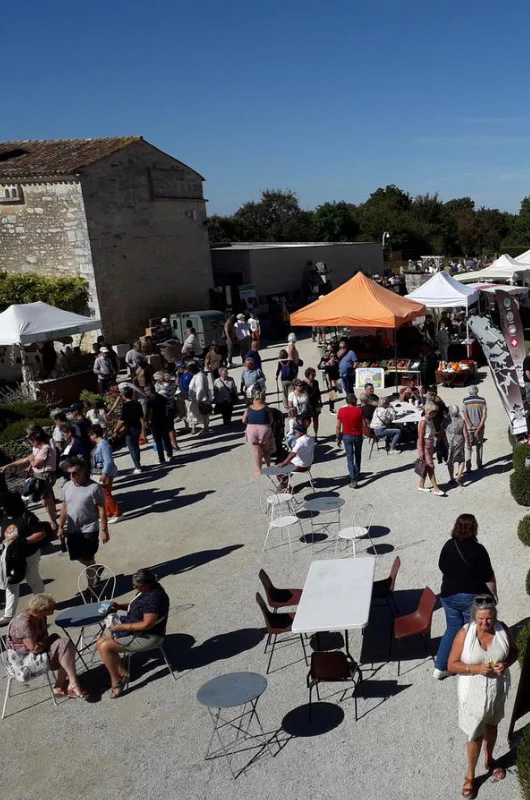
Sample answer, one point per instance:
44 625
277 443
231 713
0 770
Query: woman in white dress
199 401
481 655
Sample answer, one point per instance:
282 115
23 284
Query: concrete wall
282 269
47 233
146 221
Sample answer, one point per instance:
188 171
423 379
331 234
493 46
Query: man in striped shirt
475 412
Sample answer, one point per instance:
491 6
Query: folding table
337 595
81 617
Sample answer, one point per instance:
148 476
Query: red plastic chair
418 623
279 598
276 624
333 667
384 589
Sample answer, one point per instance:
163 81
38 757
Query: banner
375 375
512 329
248 296
502 369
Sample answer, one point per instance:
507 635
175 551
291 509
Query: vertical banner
512 329
503 371
248 296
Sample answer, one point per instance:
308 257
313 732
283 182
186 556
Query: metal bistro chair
276 498
360 527
333 667
375 440
103 588
128 657
10 676
279 520
416 624
276 624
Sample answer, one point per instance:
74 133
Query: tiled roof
31 158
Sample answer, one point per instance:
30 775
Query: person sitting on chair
142 628
301 455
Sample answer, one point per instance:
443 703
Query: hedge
17 430
523 761
520 486
520 453
70 294
522 640
523 530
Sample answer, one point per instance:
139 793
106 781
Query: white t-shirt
253 324
304 447
242 330
192 344
97 417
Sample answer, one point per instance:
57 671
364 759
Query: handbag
23 667
420 467
205 407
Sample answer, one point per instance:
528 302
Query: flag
512 329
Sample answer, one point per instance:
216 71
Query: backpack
288 370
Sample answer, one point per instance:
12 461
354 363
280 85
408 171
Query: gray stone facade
132 224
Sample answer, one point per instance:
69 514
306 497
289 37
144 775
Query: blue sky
329 98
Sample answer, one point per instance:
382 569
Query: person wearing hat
301 456
104 370
242 332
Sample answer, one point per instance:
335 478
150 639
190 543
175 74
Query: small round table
81 617
235 689
323 505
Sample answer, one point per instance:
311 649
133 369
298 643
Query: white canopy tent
504 269
442 291
524 258
39 322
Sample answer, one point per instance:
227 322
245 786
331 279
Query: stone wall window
11 194
192 214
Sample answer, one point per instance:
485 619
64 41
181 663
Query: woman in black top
467 572
142 628
130 425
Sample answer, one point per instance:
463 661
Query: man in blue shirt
347 366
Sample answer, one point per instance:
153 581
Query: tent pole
395 357
27 377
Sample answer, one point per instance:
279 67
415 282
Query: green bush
522 640
520 453
70 294
523 761
26 410
520 486
523 530
17 430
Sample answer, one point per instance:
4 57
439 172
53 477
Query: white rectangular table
406 412
336 597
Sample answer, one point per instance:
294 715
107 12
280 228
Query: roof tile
32 158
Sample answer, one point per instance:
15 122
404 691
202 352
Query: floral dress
26 626
455 441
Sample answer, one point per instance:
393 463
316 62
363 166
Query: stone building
118 212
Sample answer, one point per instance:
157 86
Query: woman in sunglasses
481 655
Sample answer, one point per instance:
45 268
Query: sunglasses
486 600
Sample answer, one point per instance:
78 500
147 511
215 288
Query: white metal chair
10 677
128 657
360 527
278 520
270 498
96 583
307 473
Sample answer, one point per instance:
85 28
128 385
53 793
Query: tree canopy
419 225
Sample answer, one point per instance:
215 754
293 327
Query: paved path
200 520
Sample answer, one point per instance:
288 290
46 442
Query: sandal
77 693
469 789
117 689
498 773
59 691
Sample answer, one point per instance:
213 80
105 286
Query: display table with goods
456 373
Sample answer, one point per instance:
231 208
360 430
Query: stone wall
46 232
146 221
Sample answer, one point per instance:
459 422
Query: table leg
76 648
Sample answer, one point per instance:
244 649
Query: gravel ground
200 520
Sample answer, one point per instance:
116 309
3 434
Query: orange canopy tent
359 303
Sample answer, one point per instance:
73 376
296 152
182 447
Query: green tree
221 229
336 222
70 294
275 217
386 210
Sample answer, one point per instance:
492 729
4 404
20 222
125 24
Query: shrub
523 530
27 409
520 453
89 397
520 486
522 640
17 430
523 761
70 294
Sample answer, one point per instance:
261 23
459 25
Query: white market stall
443 291
39 322
504 270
